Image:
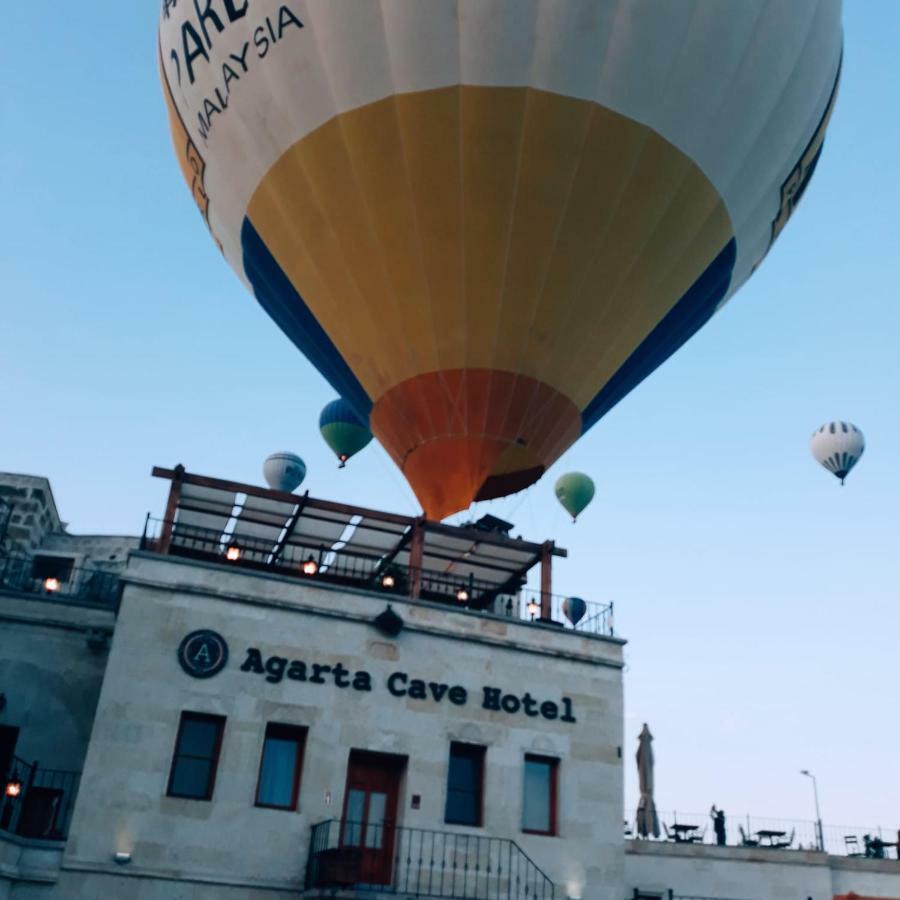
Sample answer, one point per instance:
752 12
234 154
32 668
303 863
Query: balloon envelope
574 609
574 491
343 430
486 222
838 446
284 471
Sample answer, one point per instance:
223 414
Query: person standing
718 817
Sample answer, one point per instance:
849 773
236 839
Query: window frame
219 721
298 732
473 751
553 764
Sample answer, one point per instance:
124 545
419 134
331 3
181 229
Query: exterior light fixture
233 554
388 581
51 585
533 608
462 595
310 567
13 788
122 857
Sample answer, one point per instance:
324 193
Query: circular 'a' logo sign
203 654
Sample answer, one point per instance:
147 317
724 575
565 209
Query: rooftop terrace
477 567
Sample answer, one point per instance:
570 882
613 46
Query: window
539 795
196 756
279 768
59 567
465 779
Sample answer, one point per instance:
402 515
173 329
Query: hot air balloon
485 223
574 609
343 430
838 446
284 471
574 491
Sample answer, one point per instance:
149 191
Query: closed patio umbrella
647 821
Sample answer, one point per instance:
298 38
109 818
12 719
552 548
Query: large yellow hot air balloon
486 221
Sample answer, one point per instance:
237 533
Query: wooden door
370 813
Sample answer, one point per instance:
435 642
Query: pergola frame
417 536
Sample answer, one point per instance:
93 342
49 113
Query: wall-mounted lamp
51 585
13 788
122 857
233 553
533 608
310 567
388 581
462 595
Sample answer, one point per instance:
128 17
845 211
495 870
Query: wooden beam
165 537
253 490
416 554
391 555
289 530
546 581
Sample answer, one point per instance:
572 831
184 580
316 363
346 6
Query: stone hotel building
269 695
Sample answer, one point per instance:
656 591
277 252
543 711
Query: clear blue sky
760 599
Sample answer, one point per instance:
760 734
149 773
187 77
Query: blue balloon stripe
278 297
341 412
685 319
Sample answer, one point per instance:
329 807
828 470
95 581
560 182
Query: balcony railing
779 834
417 862
86 585
320 564
37 802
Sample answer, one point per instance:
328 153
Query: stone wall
50 676
34 513
754 873
866 877
123 803
93 551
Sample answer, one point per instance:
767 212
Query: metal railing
37 802
19 572
797 834
417 862
352 568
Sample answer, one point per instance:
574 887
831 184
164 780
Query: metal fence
783 834
361 570
37 802
22 573
417 862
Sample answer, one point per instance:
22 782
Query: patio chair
787 842
851 845
745 840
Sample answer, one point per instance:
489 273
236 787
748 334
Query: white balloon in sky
284 471
838 446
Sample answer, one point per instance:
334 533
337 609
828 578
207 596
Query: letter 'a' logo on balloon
203 654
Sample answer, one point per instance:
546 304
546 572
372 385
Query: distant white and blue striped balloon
284 471
838 446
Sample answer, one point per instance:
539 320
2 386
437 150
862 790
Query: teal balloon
343 430
574 491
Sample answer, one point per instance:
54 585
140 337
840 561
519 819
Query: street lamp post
820 838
